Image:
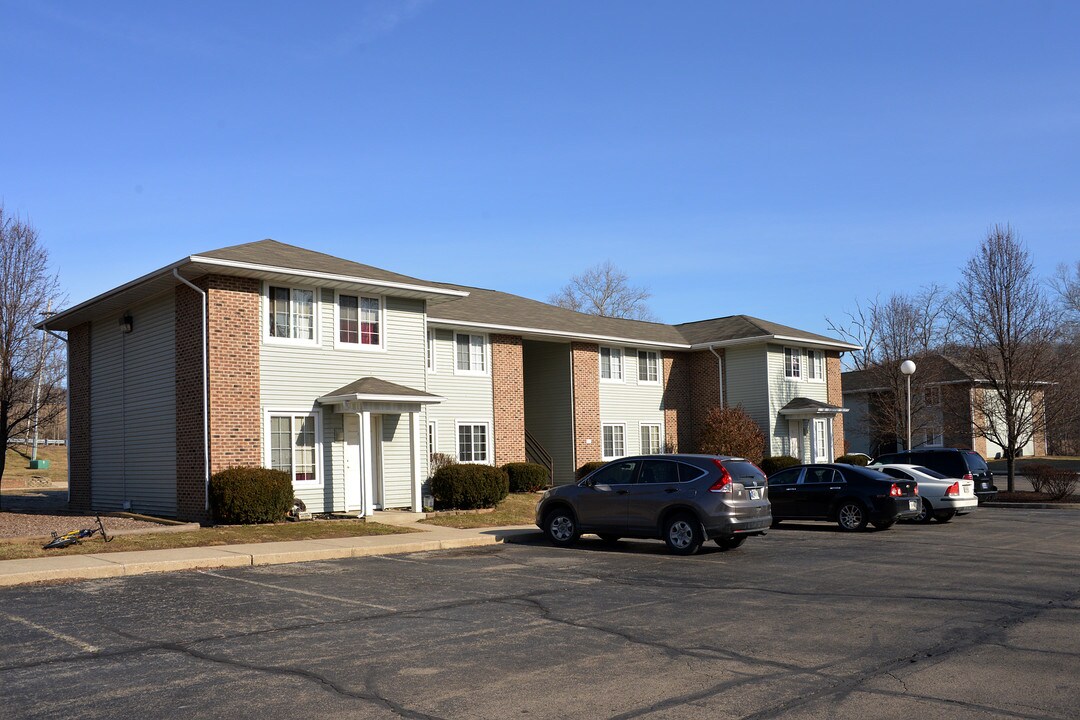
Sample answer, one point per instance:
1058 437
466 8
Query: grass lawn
18 463
516 509
205 537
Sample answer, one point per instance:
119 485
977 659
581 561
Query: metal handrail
536 453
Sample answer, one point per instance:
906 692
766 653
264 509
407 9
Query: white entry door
354 486
822 449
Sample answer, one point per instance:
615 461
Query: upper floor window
359 321
648 368
815 365
611 364
431 350
792 363
292 313
470 353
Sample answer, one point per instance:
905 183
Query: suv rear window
949 463
743 472
975 462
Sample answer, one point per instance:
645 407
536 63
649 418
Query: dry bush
730 431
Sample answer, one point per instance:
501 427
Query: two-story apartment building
348 377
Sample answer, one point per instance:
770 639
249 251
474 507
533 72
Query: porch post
365 463
829 440
414 448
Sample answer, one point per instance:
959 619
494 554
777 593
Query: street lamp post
908 368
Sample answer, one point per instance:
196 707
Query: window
359 320
820 476
611 364
650 440
821 450
432 438
431 350
785 477
659 471
293 446
792 360
292 313
815 365
932 396
648 366
470 354
472 443
614 441
620 473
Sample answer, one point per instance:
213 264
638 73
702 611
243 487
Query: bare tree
604 290
31 366
1063 436
1008 329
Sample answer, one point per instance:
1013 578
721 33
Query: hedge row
465 486
247 495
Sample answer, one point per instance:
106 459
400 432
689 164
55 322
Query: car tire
851 516
730 543
682 534
561 527
926 512
609 538
944 516
884 524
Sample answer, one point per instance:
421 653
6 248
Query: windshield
931 473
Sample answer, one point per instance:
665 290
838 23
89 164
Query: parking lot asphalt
977 618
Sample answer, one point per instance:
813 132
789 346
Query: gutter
719 371
205 393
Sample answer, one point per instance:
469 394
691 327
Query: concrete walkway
104 565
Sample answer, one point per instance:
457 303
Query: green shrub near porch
465 486
247 495
860 460
588 468
526 477
777 463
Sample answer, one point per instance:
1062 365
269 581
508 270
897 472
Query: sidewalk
104 565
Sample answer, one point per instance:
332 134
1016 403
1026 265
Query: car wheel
682 533
730 543
851 516
944 516
608 538
561 527
926 511
884 524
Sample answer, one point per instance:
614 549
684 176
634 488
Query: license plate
911 505
755 494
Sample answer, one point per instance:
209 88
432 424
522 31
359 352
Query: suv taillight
954 489
969 476
723 483
895 491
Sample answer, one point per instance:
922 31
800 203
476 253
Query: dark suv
951 462
682 499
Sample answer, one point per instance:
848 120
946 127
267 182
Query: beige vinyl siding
397 461
748 383
549 405
632 403
292 376
133 414
469 398
783 390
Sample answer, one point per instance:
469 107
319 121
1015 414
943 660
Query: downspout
205 394
719 371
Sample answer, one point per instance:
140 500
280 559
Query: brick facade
1038 438
704 372
678 431
585 364
235 425
79 418
508 393
836 399
978 444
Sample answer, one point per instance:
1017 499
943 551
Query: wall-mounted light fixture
127 323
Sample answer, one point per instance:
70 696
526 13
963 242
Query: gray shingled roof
377 386
738 327
933 369
800 404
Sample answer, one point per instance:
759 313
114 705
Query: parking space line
74 642
321 596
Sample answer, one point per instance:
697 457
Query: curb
1032 506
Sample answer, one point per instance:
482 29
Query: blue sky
773 159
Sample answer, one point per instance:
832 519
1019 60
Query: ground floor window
650 440
472 443
614 441
293 446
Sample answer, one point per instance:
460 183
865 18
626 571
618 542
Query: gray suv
683 500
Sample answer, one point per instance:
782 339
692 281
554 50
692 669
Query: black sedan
848 495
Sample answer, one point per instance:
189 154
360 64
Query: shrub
588 468
246 495
730 431
1055 482
466 486
526 477
860 460
438 461
777 463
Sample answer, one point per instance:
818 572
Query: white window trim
819 357
316 296
612 425
433 437
267 449
659 368
659 437
797 353
490 441
622 365
357 346
433 349
487 355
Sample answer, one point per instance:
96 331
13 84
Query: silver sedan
942 497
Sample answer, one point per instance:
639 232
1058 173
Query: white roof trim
332 277
450 324
369 397
814 411
789 339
